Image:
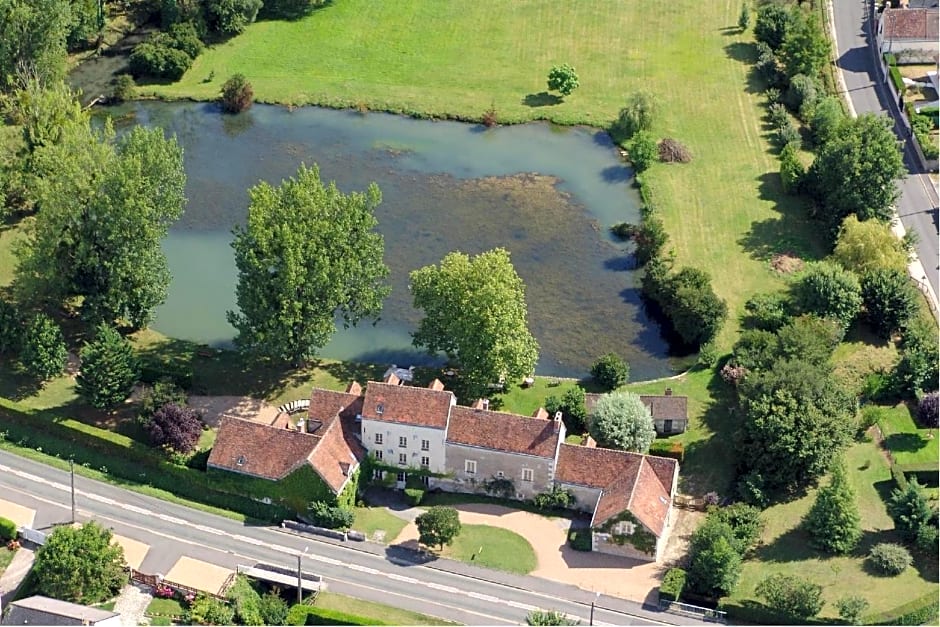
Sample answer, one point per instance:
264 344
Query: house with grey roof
40 610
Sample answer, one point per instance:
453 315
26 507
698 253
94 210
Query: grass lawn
372 519
165 607
5 558
725 212
784 546
387 614
502 549
908 443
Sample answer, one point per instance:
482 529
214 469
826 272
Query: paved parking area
198 574
22 516
134 551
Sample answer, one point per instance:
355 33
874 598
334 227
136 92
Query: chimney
485 403
558 425
557 416
302 425
392 379
668 391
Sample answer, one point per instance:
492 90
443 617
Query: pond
546 194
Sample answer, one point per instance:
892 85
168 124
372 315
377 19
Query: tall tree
475 312
772 23
175 427
307 253
622 421
796 417
829 291
864 246
80 564
109 369
43 353
805 48
32 39
231 17
438 526
857 171
714 562
890 299
106 206
910 510
833 522
918 369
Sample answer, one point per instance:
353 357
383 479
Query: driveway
616 576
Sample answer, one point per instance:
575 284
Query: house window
378 455
403 459
500 474
402 442
378 474
378 438
425 445
425 462
470 467
401 477
667 426
527 474
425 480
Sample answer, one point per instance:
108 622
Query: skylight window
379 409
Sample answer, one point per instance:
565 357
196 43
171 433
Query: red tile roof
641 484
503 432
436 385
334 457
912 24
260 450
404 404
325 404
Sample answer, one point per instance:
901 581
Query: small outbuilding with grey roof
40 610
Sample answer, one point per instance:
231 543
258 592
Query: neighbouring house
292 461
40 610
420 436
670 412
909 29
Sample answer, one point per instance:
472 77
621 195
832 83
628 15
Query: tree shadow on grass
541 99
791 546
746 53
905 442
709 465
14 384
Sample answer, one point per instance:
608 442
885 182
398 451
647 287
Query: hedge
896 78
313 615
8 529
673 583
748 612
581 540
920 611
182 376
668 448
414 496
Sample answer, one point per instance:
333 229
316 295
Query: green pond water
546 194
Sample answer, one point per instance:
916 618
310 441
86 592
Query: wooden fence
157 580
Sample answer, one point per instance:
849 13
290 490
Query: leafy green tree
744 17
756 350
805 48
772 24
86 24
768 311
794 596
563 79
43 353
638 115
290 10
910 510
856 171
828 290
80 564
95 190
43 110
869 245
833 522
206 610
571 405
610 371
889 558
175 428
796 418
650 239
643 150
273 609
237 94
714 562
438 526
158 61
475 312
307 252
11 328
809 339
692 306
851 608
917 371
109 369
791 169
549 617
890 300
745 522
827 117
32 39
231 17
620 420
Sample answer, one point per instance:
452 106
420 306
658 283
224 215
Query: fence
684 609
155 580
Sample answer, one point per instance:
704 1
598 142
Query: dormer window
240 461
379 409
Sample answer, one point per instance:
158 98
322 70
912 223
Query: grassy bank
492 547
377 611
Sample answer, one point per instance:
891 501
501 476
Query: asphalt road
444 589
856 56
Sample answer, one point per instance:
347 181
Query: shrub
8 529
490 118
642 150
549 617
673 151
161 393
788 133
801 96
829 291
624 230
414 496
43 352
636 116
673 583
184 37
175 428
556 498
331 516
237 94
11 326
610 371
247 602
650 239
794 596
771 25
231 17
273 609
571 405
826 119
581 540
563 79
708 354
896 78
928 409
158 61
890 559
769 69
123 88
791 169
767 312
778 114
206 610
851 608
312 615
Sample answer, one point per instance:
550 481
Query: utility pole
300 581
72 473
593 601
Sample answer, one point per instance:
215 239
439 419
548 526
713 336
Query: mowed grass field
725 211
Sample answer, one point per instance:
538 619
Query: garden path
132 605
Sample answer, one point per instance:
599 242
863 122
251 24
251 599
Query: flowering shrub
164 591
13 545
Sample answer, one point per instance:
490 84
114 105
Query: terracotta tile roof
503 432
405 404
916 24
262 450
436 385
334 457
662 406
325 404
641 484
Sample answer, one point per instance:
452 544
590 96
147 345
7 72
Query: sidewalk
13 576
